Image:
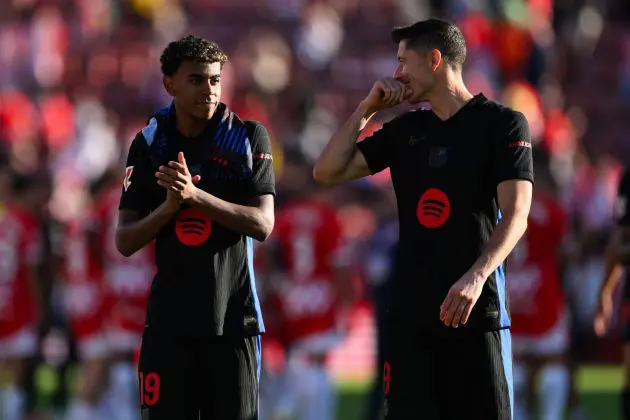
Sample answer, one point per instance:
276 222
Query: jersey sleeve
136 189
622 211
513 149
262 160
378 149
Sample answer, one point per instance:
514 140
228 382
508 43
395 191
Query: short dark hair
434 34
190 48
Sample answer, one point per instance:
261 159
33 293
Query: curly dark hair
190 48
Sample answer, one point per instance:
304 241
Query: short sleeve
263 178
622 211
513 148
138 176
378 149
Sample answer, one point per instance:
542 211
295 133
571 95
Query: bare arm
613 268
134 232
612 274
515 197
341 160
255 220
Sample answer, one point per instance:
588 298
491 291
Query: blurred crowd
78 79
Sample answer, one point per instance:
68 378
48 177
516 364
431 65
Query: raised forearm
134 235
503 240
247 220
335 160
612 270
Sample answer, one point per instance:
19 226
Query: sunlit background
78 79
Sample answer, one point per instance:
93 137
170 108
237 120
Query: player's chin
416 98
204 109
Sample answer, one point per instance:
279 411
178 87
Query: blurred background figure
540 317
20 298
312 292
126 284
617 258
380 255
77 82
84 306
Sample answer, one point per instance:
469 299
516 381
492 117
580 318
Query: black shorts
448 374
198 378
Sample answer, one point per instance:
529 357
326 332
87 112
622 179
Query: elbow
520 220
523 227
322 177
264 229
122 247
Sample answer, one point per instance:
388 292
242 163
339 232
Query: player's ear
168 85
436 59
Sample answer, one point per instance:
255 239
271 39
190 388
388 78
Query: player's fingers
171 177
459 313
178 185
168 171
195 179
164 184
450 313
401 93
177 166
389 90
163 176
397 92
387 93
598 326
445 305
467 312
184 164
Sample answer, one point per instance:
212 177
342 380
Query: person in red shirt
85 305
312 286
126 285
540 322
20 300
106 296
617 262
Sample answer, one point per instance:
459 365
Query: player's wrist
478 276
193 197
366 110
169 207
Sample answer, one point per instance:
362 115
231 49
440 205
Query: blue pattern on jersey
229 148
504 316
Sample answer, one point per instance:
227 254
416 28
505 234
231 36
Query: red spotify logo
192 227
434 208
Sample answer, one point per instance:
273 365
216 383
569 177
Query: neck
448 98
188 125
